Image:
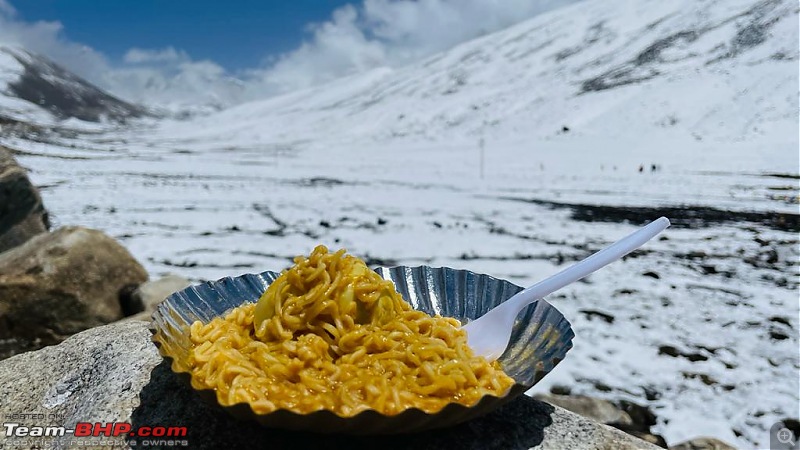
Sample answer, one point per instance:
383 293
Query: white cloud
7 9
356 38
44 37
338 47
169 54
172 77
393 33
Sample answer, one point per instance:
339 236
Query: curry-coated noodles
331 334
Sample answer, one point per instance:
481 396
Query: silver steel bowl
540 340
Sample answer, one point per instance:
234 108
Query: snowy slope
698 77
712 67
11 70
703 324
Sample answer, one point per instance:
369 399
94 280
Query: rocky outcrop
63 282
95 376
113 373
22 214
64 94
597 409
629 417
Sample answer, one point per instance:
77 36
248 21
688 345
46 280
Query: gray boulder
631 418
94 376
22 214
114 373
142 302
703 443
60 283
597 409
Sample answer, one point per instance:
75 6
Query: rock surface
94 376
22 214
703 443
63 282
597 409
143 301
629 417
114 373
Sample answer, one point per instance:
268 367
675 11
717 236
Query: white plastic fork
488 335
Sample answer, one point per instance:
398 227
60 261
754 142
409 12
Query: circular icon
785 436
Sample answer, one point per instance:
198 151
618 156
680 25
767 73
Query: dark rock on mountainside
648 64
65 94
22 214
60 283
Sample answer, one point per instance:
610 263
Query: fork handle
583 268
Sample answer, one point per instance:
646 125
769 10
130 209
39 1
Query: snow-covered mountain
719 70
35 89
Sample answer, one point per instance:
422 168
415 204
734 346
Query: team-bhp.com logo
86 429
89 430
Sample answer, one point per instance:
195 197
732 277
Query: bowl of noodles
332 346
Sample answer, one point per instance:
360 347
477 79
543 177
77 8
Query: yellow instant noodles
331 334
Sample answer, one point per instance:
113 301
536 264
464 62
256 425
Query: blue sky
236 35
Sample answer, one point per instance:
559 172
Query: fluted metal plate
540 339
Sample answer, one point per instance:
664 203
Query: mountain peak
40 81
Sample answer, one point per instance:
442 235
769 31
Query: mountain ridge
591 67
40 82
